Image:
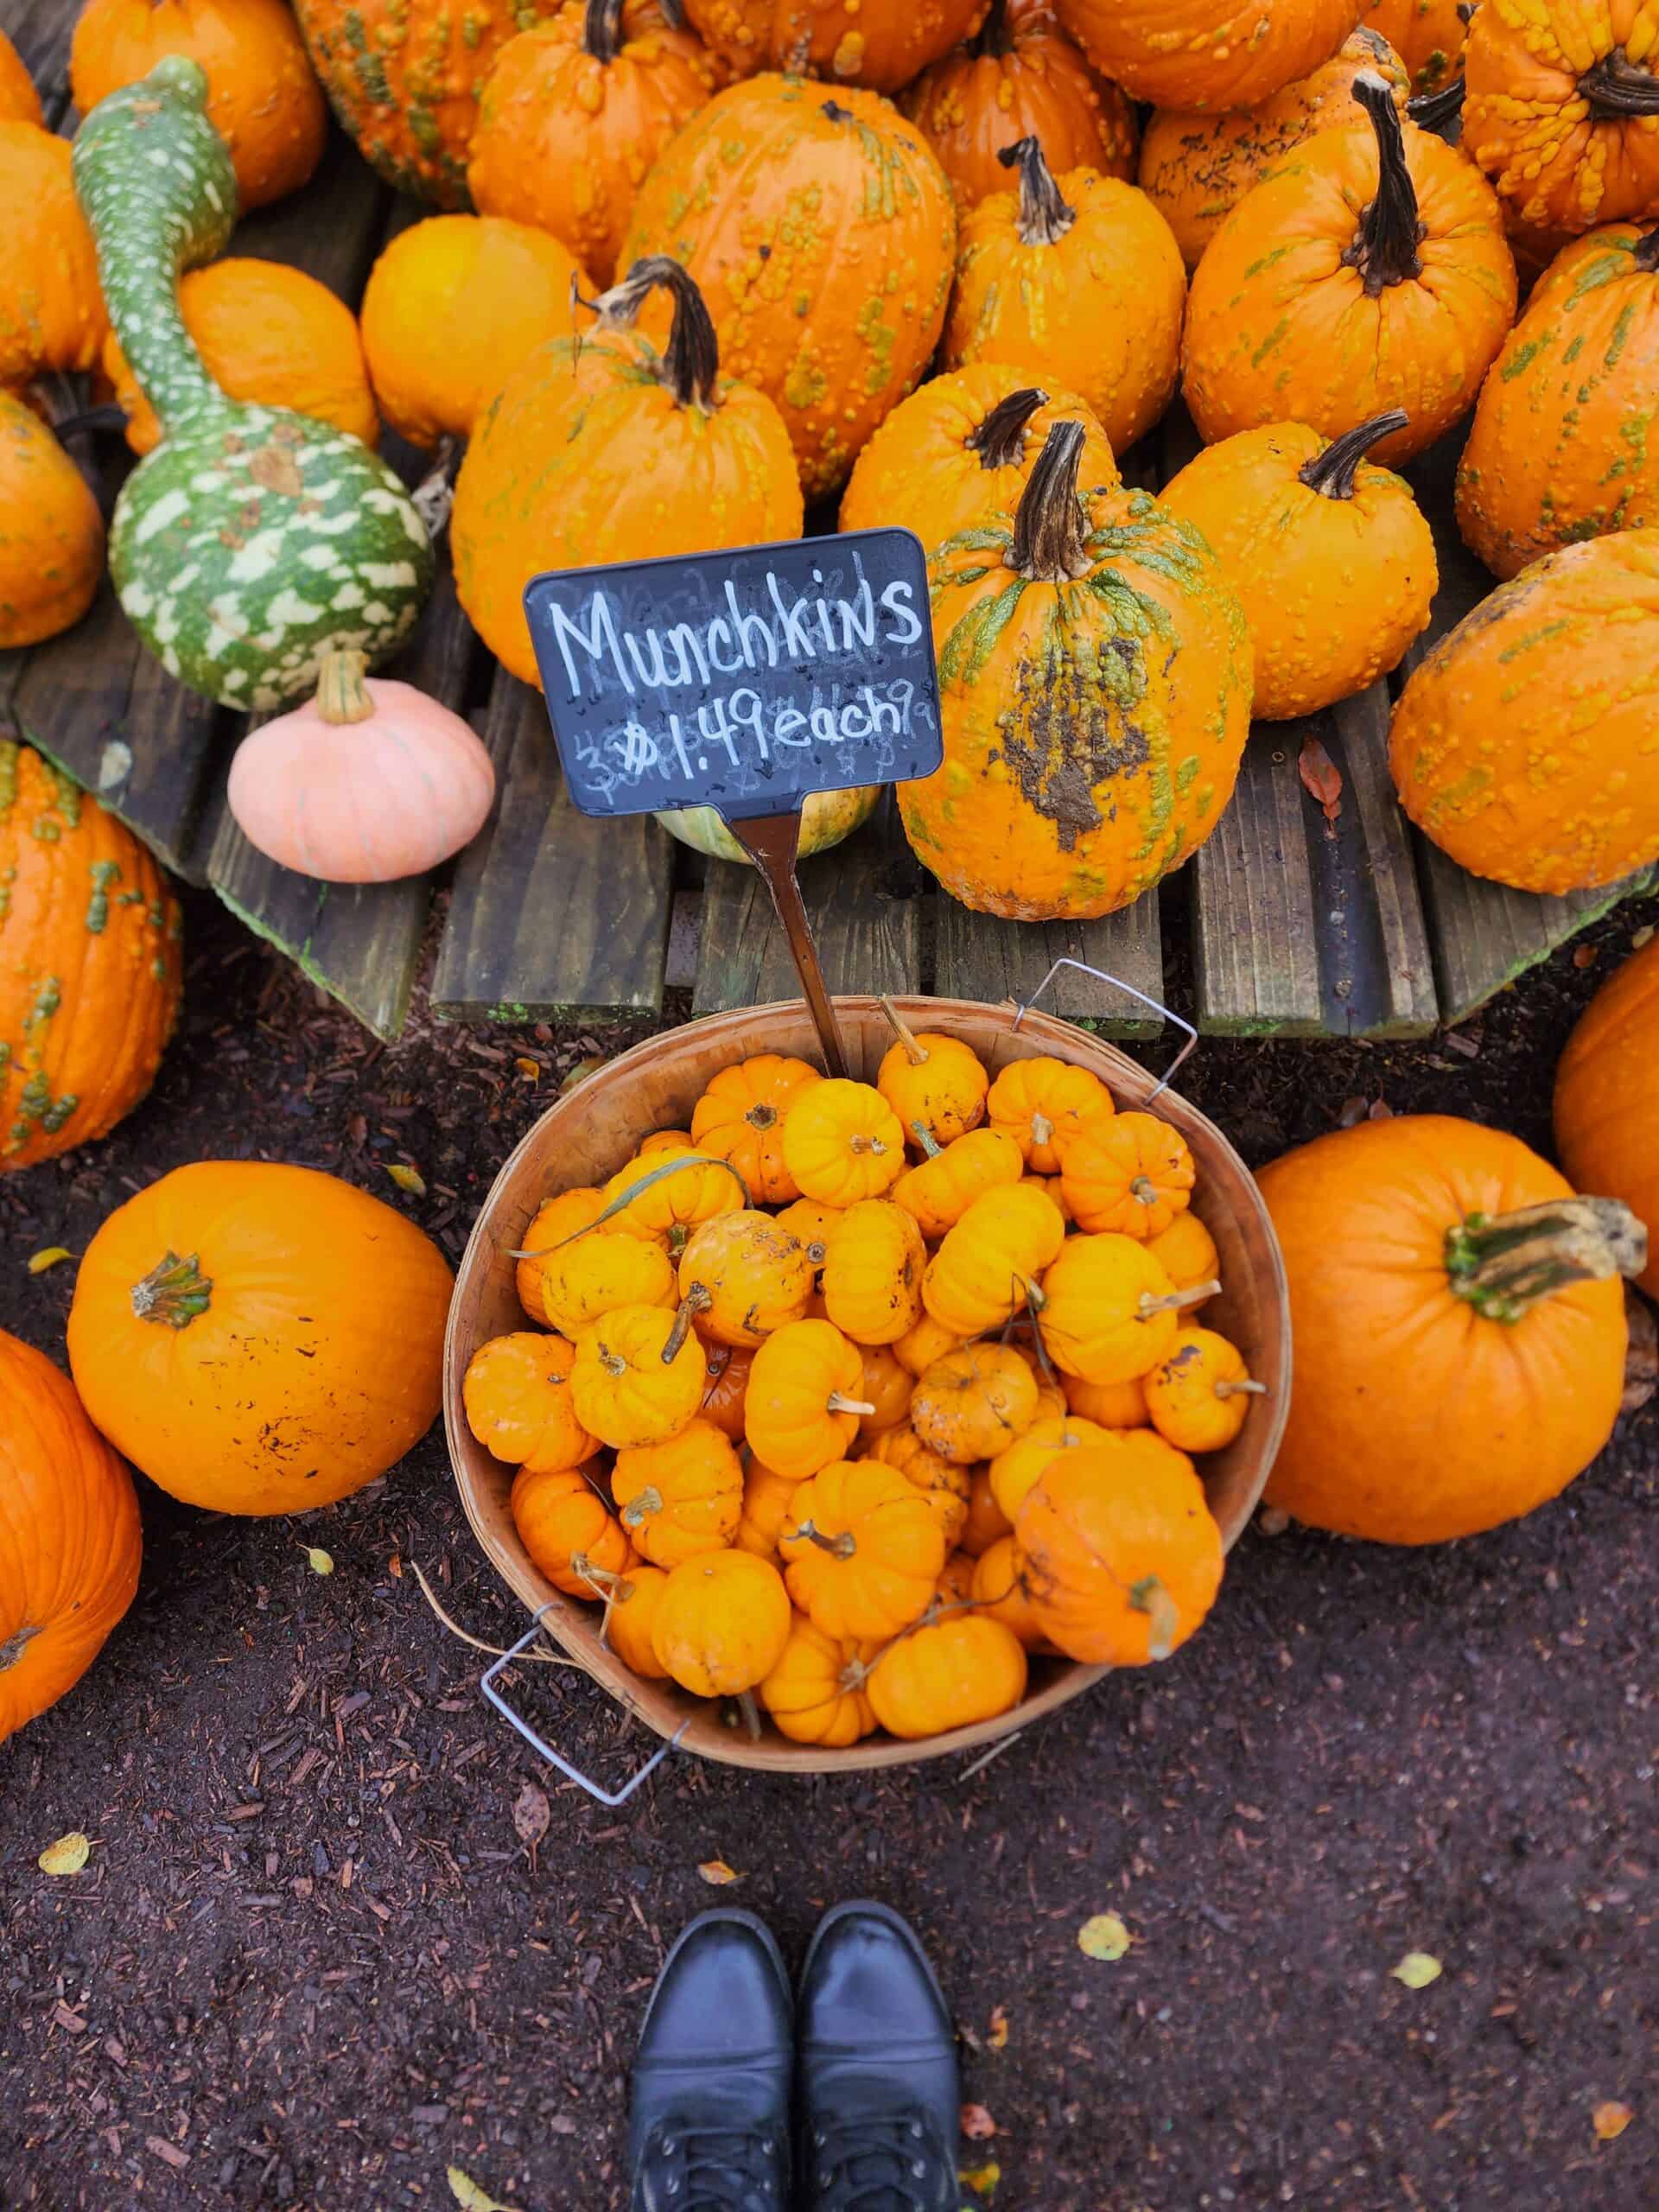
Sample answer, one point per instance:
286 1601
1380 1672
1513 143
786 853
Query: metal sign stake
772 842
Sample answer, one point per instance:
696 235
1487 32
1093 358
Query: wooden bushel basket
585 1137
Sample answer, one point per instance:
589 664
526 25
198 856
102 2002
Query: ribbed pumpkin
573 116
1018 77
69 1537
1328 297
454 307
1429 35
602 449
1079 277
771 196
1560 448
262 99
881 43
1208 53
1562 109
404 77
1195 167
19 101
50 309
90 963
266 333
51 531
1330 558
1096 682
1607 1096
959 452
1460 1327
259 1338
1526 745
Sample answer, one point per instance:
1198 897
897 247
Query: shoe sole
868 1908
727 1916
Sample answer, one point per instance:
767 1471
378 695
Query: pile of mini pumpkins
852 1396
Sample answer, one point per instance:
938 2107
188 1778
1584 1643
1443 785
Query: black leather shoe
709 2130
877 2094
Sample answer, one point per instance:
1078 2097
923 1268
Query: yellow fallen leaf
471 2198
982 2180
1103 1937
66 1856
717 1873
1417 1969
1610 2121
996 2035
579 1074
40 1262
320 1562
406 1179
530 1069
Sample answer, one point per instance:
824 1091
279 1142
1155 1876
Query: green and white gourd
251 539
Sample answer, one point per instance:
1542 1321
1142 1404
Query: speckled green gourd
251 539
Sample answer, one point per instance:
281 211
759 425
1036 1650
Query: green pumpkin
826 818
252 538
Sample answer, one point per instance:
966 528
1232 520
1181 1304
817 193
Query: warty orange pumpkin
1096 680
51 531
1459 1325
769 196
19 101
1369 271
69 1537
848 42
1208 53
52 312
91 963
259 1338
1607 1096
1429 35
1525 745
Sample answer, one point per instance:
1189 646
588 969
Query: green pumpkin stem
644 1507
174 1292
930 1146
1504 1265
1045 219
1618 87
602 30
691 363
342 695
1333 471
1048 545
1385 245
1438 110
999 441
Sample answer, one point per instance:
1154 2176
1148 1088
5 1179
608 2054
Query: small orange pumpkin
580 1282
678 1499
1110 1312
555 1219
52 550
1607 1096
1188 1251
1130 1175
52 312
986 1521
1208 53
563 1524
944 1485
767 1501
745 1277
984 1271
631 1604
722 1623
665 1140
728 1387
947 1673
862 1551
888 1384
917 1349
640 1376
739 1118
812 1225
956 1583
1036 1102
669 1194
816 1692
1199 1393
843 1142
1108 1405
934 1084
1015 1470
872 1274
940 1191
973 1403
803 1408
517 1394
1001 1590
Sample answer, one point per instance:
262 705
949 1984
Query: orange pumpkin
843 1142
259 1338
739 1118
50 309
862 1550
973 1403
1187 1252
802 1408
679 1498
517 1394
938 1192
1429 35
1109 1405
261 98
944 1485
563 1524
1037 1102
816 1692
1208 53
767 1502
1607 1096
1015 1469
573 115
69 1537
887 1385
1130 1174
873 1275
640 1376
664 1198
51 542
1199 1393
1001 1592
1459 1325
985 1522
665 1140
19 101
580 1281
917 1349
956 1584
556 1221
1109 1311
631 1604
934 1084
846 41
744 1277
722 1623
947 1673
985 1270
811 1225
728 1387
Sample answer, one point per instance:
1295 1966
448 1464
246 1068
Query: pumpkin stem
1048 544
1045 219
174 1292
1617 85
1332 472
844 1546
1042 1129
915 1052
1143 1191
1149 1595
1194 1295
1385 245
1504 1265
342 695
995 39
691 364
14 1646
1646 253
750 1713
1438 110
696 1300
835 1403
602 30
999 441
925 1137
1243 1389
761 1116
645 1507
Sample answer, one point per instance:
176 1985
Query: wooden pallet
1298 927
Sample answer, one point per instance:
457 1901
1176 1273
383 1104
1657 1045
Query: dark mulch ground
311 1964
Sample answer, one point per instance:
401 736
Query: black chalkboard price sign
744 681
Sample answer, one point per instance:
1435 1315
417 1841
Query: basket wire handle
1118 984
610 1798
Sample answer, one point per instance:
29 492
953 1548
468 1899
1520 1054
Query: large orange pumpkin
1460 1328
50 309
879 43
261 98
19 101
259 1338
69 1537
1527 743
1096 681
1208 53
1607 1096
90 963
1429 35
51 531
1368 272
774 196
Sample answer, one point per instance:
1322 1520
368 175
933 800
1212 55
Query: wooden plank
332 230
552 913
1254 947
40 30
865 901
977 956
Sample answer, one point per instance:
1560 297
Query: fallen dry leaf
406 1179
1417 1969
1644 936
530 1814
1321 779
982 2180
66 1856
1380 1110
976 2123
717 1873
1642 1354
1610 2121
1353 1112
40 1262
997 2035
321 1561
579 1074
530 1069
1103 1937
1585 955
471 2198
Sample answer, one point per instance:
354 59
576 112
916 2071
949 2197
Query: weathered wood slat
553 913
1256 955
332 230
40 30
978 957
864 902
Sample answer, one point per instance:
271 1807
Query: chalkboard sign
742 680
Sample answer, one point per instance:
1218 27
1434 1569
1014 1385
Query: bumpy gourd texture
19 101
404 77
819 226
91 962
1607 1096
1562 446
51 310
1208 53
1429 35
1526 746
51 531
251 539
881 43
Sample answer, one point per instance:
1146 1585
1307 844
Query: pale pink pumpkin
370 781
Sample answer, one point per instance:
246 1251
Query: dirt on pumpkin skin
311 1964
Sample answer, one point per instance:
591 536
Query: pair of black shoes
841 2097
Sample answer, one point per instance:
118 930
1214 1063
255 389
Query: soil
312 1964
